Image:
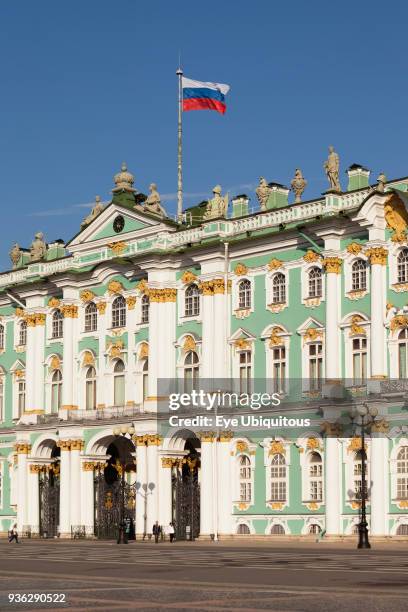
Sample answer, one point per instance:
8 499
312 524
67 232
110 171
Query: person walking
13 534
170 531
156 531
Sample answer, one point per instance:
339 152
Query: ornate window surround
310 442
305 269
237 312
349 260
181 303
182 349
269 276
306 339
285 336
346 326
348 462
394 285
398 444
267 444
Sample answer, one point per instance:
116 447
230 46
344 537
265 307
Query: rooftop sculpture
298 185
332 167
153 201
263 192
38 248
217 206
97 208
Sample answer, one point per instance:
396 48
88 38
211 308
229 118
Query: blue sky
86 85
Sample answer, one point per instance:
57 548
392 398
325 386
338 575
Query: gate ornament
108 501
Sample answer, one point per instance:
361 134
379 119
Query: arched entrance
49 493
115 491
186 491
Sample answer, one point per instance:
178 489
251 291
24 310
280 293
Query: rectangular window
245 492
278 491
402 488
245 372
402 360
279 369
21 398
315 366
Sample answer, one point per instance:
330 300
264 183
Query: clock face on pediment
118 224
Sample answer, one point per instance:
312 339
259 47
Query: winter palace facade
314 291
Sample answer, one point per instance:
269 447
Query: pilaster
65 488
207 485
378 259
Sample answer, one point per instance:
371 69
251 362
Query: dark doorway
186 494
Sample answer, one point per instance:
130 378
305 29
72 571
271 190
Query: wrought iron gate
49 503
186 503
108 501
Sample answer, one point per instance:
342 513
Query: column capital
207 436
77 444
226 436
22 448
64 445
213 286
69 311
332 430
162 295
377 255
154 440
332 265
380 426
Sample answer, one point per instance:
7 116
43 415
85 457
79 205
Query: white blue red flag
199 95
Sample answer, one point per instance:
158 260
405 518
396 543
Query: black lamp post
367 414
118 433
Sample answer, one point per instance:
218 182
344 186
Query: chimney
240 206
358 177
278 197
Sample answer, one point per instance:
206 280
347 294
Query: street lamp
119 432
367 414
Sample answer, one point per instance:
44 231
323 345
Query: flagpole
179 150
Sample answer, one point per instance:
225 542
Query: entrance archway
115 490
186 488
49 492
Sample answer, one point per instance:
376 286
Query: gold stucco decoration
226 436
380 426
87 295
117 247
354 248
356 329
115 348
313 444
332 265
142 287
214 286
19 312
69 311
334 430
22 448
354 444
163 295
240 269
275 339
115 286
399 321
207 436
54 302
311 256
19 373
242 344
55 363
277 448
101 306
143 350
131 302
88 359
241 446
312 335
188 277
189 344
377 255
274 264
396 217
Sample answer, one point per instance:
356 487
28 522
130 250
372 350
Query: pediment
310 322
117 223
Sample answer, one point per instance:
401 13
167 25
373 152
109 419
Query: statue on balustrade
38 248
298 185
332 167
97 208
217 206
15 255
153 202
263 191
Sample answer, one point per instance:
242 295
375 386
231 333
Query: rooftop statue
97 208
381 180
332 166
298 185
124 180
263 192
38 248
153 202
15 255
217 206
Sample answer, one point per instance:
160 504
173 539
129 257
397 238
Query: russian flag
199 95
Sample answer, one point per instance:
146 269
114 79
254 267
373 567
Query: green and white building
313 290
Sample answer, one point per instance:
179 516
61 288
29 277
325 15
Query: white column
70 312
333 482
130 392
332 339
141 484
379 494
152 482
22 486
34 500
101 399
87 497
75 483
207 349
30 378
378 258
65 488
224 483
206 487
165 470
39 396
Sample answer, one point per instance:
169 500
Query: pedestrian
13 534
170 531
156 531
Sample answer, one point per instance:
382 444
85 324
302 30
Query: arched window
1 397
357 473
145 304
245 371
279 289
192 301
359 275
91 317
403 353
145 377
277 530
359 359
22 338
315 365
315 529
1 337
57 324
244 294
402 530
278 478
402 266
119 312
21 396
278 369
191 371
315 282
245 481
119 383
402 473
90 388
315 477
243 529
56 391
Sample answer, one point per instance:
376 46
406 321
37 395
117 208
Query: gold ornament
381 426
55 363
354 248
77 445
22 448
274 339
312 334
313 444
101 306
115 348
275 264
354 444
213 287
356 329
89 359
54 302
332 429
277 505
207 436
241 446
19 373
377 255
87 295
188 277
115 286
226 436
19 312
242 344
69 311
189 344
240 269
143 287
163 295
131 301
399 321
143 350
311 256
117 247
277 448
332 265
396 217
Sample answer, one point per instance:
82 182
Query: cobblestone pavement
203 576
